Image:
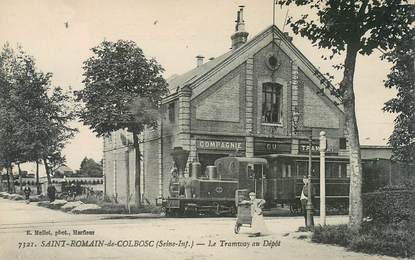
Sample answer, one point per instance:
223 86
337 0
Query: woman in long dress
258 224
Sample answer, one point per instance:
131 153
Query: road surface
32 232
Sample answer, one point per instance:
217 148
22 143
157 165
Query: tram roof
249 159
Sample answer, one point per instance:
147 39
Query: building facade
262 97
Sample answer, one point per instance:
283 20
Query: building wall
169 140
262 74
221 108
117 157
151 166
318 110
375 152
319 113
167 162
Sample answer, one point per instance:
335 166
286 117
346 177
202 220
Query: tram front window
255 171
258 171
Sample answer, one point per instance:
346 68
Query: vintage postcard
206 129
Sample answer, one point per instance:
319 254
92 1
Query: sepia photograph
207 129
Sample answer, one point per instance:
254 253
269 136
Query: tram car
284 181
277 178
213 192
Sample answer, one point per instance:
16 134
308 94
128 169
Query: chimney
240 36
199 60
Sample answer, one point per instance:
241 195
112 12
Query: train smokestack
180 157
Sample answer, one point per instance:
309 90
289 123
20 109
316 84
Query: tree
27 90
53 122
353 27
11 145
90 168
34 116
402 77
116 76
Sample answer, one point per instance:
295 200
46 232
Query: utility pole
127 177
309 206
323 147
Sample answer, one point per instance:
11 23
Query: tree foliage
364 24
122 91
402 78
115 76
353 27
90 168
34 116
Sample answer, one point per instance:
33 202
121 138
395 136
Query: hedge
390 205
392 240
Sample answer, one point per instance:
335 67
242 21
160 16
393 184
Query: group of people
51 193
184 181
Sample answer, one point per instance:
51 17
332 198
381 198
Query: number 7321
25 244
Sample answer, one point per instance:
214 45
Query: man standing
51 193
73 191
304 198
27 192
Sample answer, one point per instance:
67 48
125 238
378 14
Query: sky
174 32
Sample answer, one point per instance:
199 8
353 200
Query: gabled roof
64 168
176 81
203 73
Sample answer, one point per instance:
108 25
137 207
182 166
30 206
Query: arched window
271 103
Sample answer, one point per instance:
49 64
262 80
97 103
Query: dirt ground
32 232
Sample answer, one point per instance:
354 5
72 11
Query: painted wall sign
315 148
220 145
304 148
271 147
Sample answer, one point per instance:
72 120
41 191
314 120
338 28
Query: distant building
63 171
376 152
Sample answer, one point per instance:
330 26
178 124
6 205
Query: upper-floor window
172 112
343 143
271 103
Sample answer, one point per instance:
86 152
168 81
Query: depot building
261 97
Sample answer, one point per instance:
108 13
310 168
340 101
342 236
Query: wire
285 20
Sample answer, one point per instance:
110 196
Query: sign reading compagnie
220 145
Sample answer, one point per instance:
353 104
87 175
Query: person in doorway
27 192
174 179
258 224
182 182
187 186
304 197
51 193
